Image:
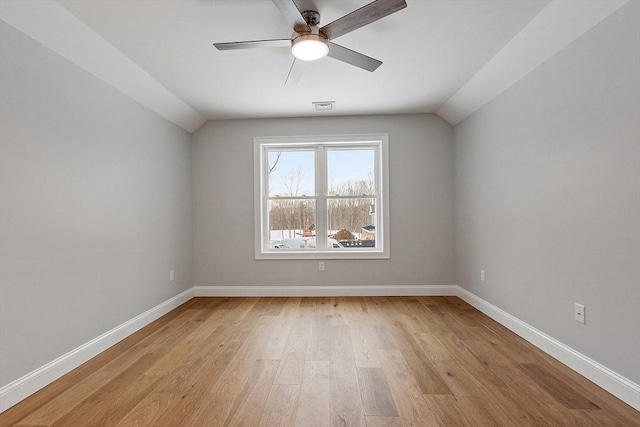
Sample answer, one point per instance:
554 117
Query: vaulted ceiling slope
439 56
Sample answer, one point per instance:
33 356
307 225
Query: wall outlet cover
579 313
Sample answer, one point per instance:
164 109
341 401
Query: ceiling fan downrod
311 17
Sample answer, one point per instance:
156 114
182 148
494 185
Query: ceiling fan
310 42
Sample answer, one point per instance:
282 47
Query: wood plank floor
370 361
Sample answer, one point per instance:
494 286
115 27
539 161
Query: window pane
352 222
351 172
291 173
292 224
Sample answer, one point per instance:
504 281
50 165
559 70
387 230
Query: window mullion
321 201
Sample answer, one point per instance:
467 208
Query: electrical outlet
172 276
482 276
321 265
579 313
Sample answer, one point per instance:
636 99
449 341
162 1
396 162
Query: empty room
319 213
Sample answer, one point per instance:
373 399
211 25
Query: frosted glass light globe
309 47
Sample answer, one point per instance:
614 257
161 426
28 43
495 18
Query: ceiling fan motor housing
310 44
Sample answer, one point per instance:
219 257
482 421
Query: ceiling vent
324 106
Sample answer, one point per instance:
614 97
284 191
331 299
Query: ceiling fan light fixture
309 47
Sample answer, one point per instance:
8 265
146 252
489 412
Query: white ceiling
430 51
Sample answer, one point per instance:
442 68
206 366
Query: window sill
319 255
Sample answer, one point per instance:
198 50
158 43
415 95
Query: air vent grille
324 106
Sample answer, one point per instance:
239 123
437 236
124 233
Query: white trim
558 24
621 387
25 386
324 291
379 142
55 27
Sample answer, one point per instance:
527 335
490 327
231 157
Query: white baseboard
621 387
25 386
325 291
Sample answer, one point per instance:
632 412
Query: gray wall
95 207
547 195
421 183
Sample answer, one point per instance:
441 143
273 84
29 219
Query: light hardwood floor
414 361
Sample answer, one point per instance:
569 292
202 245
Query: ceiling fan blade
253 44
361 17
292 15
295 72
352 57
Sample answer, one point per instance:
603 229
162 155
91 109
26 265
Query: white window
323 197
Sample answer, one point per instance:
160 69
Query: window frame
320 144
